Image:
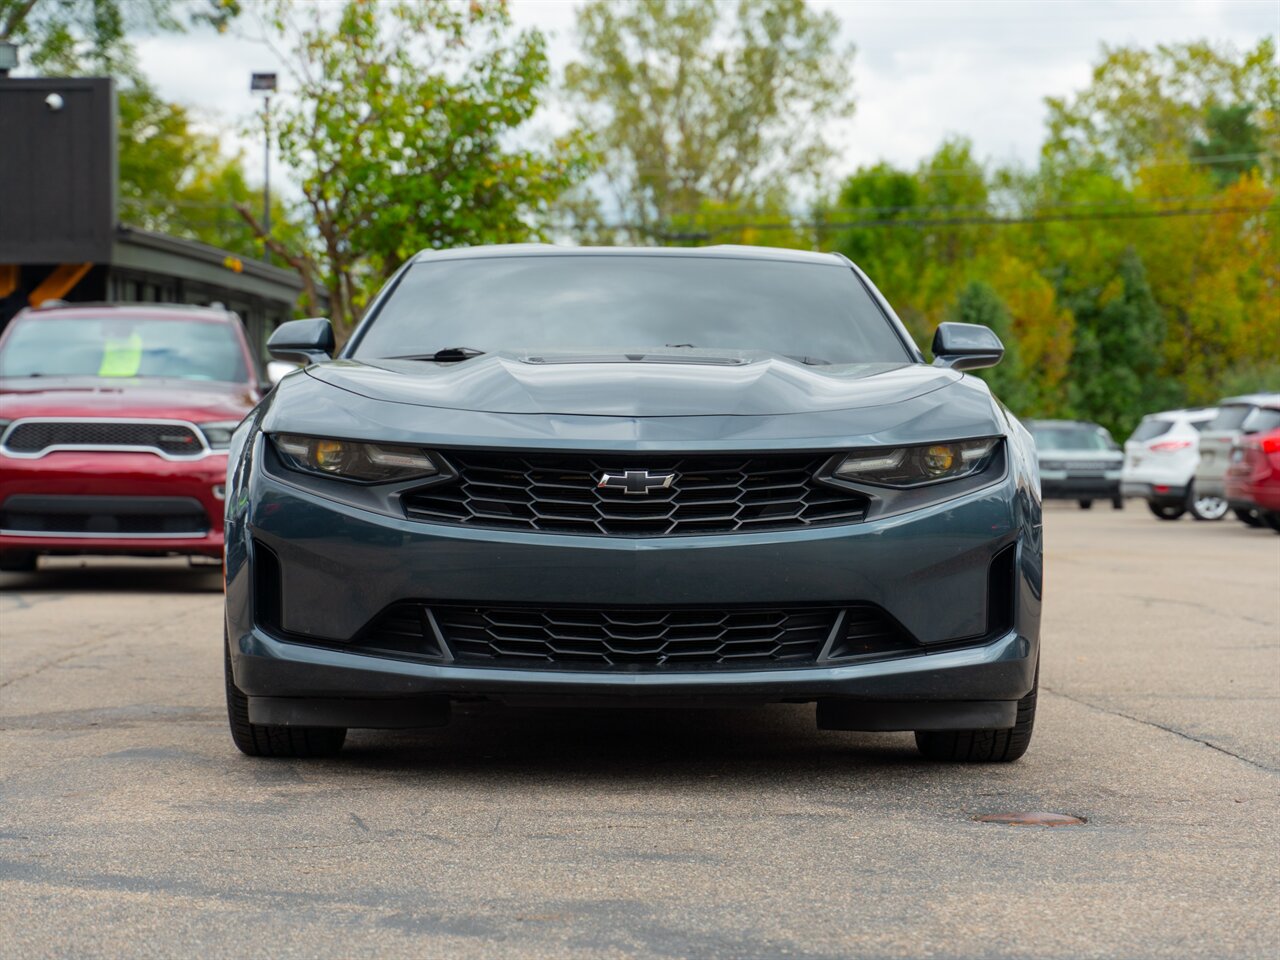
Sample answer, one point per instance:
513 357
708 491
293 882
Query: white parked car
1160 464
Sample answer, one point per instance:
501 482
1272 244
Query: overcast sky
923 68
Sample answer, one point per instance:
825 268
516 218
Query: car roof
1190 413
715 252
158 311
1252 399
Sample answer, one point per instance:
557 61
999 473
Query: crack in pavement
1200 605
1159 726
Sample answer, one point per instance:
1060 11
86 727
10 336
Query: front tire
18 562
259 740
1166 511
1086 504
1117 503
1248 516
1272 520
984 746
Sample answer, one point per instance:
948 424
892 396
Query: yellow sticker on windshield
121 358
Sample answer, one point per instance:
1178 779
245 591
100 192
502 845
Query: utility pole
265 83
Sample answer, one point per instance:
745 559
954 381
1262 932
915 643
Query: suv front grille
36 436
708 493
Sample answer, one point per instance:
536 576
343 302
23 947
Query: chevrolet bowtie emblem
638 482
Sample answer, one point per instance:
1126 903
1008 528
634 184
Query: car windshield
615 302
117 345
1149 429
1262 420
1070 438
1230 417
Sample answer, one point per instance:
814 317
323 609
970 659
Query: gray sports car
709 476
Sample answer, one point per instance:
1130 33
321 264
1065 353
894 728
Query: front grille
38 436
638 637
91 516
709 493
1090 466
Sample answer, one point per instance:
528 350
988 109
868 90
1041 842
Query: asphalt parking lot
130 825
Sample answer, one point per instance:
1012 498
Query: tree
173 178
1143 103
91 36
690 107
1116 367
398 131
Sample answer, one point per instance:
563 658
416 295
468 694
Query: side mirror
302 341
966 346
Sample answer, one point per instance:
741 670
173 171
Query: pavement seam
1160 726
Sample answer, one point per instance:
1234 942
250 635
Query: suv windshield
1070 438
120 345
624 302
1230 417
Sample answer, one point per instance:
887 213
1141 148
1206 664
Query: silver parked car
1237 417
1078 461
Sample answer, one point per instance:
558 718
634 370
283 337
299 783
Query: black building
59 234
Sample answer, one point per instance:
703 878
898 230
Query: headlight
218 435
918 465
353 460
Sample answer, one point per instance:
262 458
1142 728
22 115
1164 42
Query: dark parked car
114 427
713 476
1078 461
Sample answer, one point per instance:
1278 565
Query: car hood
634 385
195 400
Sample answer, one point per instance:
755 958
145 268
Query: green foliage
174 179
398 129
1143 103
1116 367
699 105
1232 143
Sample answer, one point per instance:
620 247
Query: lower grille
37 515
36 436
624 638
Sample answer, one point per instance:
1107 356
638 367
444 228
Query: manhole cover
1032 819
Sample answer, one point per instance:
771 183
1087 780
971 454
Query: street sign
262 82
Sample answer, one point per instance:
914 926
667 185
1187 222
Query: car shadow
113 575
539 746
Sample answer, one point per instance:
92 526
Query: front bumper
341 566
118 479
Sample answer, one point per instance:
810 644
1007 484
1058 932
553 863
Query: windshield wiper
447 355
808 361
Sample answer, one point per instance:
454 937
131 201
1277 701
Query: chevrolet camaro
695 477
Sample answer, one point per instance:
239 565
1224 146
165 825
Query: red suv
114 426
1253 478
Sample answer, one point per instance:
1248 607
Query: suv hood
640 384
195 400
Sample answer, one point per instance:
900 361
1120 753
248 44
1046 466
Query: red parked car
114 426
1253 479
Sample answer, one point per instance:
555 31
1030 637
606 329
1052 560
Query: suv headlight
218 435
353 460
917 466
